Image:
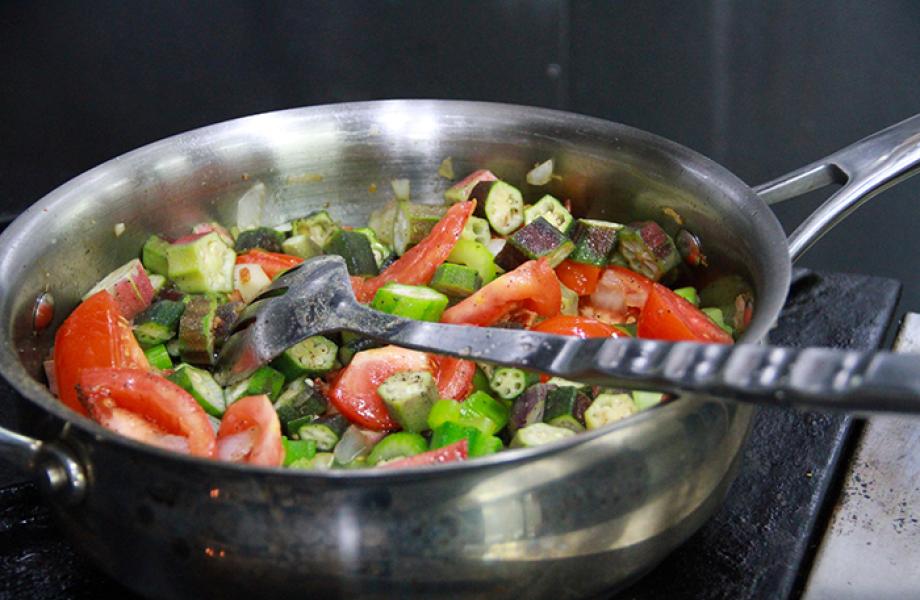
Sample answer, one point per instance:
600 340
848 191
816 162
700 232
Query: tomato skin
255 415
107 392
667 316
272 263
532 285
354 391
578 277
95 334
418 264
455 377
450 453
619 296
582 327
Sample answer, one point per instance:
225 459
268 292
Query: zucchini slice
500 203
299 399
565 407
552 210
476 256
539 434
265 238
318 226
409 396
355 248
411 301
456 281
540 239
201 385
159 323
594 241
158 357
381 251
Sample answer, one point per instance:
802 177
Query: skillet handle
865 169
59 474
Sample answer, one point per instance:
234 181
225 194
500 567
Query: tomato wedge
579 277
251 433
354 391
147 407
455 377
583 327
450 453
532 285
619 296
272 263
667 316
93 335
418 264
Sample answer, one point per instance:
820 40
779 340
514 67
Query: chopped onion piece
400 188
119 229
355 442
284 227
541 174
446 170
250 280
495 245
249 208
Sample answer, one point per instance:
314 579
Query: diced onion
355 442
119 229
541 174
446 170
400 188
495 245
250 280
250 206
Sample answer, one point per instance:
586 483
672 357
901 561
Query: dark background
762 87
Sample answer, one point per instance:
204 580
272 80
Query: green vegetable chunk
509 383
411 301
397 445
265 238
609 408
456 281
322 461
483 445
314 356
594 241
552 210
715 315
477 230
153 255
299 399
449 433
565 407
355 248
201 385
539 434
645 399
202 265
484 412
302 246
413 223
689 294
158 357
476 256
648 249
325 431
159 323
569 301
381 251
196 330
539 239
265 380
297 450
318 226
383 220
500 203
409 397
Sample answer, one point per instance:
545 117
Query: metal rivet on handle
43 313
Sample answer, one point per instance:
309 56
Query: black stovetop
758 545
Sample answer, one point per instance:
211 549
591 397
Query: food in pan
135 354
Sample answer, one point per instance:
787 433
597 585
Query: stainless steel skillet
569 520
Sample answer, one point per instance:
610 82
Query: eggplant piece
648 249
690 248
540 239
529 407
500 203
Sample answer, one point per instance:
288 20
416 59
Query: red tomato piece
418 264
667 316
455 377
272 263
450 453
93 335
354 391
583 327
142 405
532 285
619 296
578 277
251 433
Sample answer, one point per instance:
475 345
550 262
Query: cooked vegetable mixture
135 354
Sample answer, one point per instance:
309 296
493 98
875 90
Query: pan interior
343 158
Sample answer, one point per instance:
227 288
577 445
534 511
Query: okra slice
299 399
381 251
355 248
476 256
202 265
609 408
314 356
265 238
201 385
196 330
648 249
476 229
159 323
539 239
153 255
594 241
457 281
318 226
409 396
552 210
410 301
500 203
302 246
158 357
413 223
460 191
297 450
539 434
325 431
509 383
397 445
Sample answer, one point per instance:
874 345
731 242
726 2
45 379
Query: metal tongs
317 298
